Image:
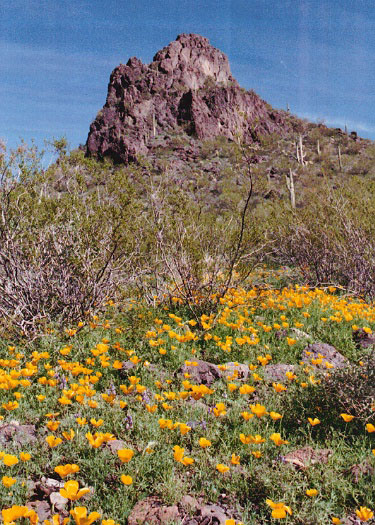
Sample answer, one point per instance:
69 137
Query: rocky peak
190 59
188 87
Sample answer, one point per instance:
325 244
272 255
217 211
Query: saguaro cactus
153 125
290 186
339 157
300 152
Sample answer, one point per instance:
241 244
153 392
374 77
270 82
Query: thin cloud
341 122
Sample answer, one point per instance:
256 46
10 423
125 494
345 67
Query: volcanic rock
277 372
151 510
188 88
201 372
17 434
58 501
306 456
360 470
326 352
214 513
236 370
363 339
42 508
115 445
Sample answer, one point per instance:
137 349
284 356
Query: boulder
17 434
203 373
277 372
363 339
329 353
239 370
303 457
214 513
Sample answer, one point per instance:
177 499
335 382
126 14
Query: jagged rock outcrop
188 87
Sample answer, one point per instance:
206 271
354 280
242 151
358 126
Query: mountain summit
188 87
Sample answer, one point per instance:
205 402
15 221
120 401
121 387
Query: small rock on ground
152 511
329 353
306 456
361 470
203 372
277 372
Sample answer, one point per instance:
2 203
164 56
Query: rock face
187 88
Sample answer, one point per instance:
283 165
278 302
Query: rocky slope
188 88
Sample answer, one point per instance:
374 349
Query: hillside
187 311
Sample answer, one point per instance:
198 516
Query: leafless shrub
63 252
53 277
195 259
50 270
330 244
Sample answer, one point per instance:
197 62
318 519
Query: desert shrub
362 166
353 148
55 276
349 390
192 255
59 253
82 231
331 238
111 230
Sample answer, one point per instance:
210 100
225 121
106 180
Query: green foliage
126 327
151 230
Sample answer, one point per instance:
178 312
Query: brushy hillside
153 369
261 411
82 230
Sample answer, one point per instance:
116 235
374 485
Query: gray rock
299 334
203 373
17 434
329 353
42 508
241 369
189 503
57 501
48 485
306 456
152 511
277 372
215 513
360 470
115 445
362 339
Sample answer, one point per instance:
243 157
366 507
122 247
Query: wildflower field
188 339
262 411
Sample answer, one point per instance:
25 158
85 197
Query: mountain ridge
188 87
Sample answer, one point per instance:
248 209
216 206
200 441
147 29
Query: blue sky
56 56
